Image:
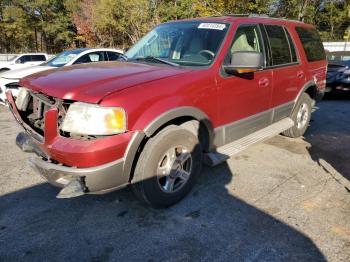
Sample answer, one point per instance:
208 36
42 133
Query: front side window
180 43
312 44
247 38
23 59
279 44
91 57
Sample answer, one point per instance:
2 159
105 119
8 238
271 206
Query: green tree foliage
120 21
331 17
55 25
40 25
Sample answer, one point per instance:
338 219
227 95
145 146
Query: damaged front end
76 164
32 108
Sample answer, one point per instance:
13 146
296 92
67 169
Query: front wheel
168 167
301 116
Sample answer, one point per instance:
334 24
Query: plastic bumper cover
99 179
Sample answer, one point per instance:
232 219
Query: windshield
63 58
339 57
181 43
12 58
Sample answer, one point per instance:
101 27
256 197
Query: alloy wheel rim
174 169
302 116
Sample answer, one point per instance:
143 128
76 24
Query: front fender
159 120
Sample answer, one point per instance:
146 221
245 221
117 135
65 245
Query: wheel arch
177 116
309 88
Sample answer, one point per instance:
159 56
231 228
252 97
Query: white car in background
23 61
9 80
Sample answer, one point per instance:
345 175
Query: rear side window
112 56
312 44
280 50
38 58
292 48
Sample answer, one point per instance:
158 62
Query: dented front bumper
96 164
99 179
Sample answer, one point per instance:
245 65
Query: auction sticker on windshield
215 26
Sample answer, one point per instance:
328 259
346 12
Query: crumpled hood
91 82
23 72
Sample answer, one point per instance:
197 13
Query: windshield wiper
156 59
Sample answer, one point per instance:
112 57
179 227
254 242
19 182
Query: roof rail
252 15
259 15
247 15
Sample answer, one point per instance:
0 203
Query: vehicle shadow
329 134
210 224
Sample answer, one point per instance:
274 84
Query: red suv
189 91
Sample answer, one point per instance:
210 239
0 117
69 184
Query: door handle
264 82
300 74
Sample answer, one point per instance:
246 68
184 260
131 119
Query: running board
225 152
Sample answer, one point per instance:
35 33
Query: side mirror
245 62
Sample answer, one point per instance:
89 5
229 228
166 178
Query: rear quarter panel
315 71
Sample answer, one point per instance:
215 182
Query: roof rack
245 15
258 16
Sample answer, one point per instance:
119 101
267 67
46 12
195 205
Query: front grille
36 105
40 106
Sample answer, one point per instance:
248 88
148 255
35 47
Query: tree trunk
302 9
41 41
36 39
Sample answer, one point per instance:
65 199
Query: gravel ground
281 200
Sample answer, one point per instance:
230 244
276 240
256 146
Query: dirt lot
282 200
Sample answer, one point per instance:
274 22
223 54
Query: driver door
244 99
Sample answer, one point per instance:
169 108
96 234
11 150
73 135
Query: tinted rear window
281 53
292 48
312 44
36 58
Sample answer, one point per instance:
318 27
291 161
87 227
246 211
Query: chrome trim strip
243 127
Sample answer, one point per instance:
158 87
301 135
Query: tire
301 116
174 152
